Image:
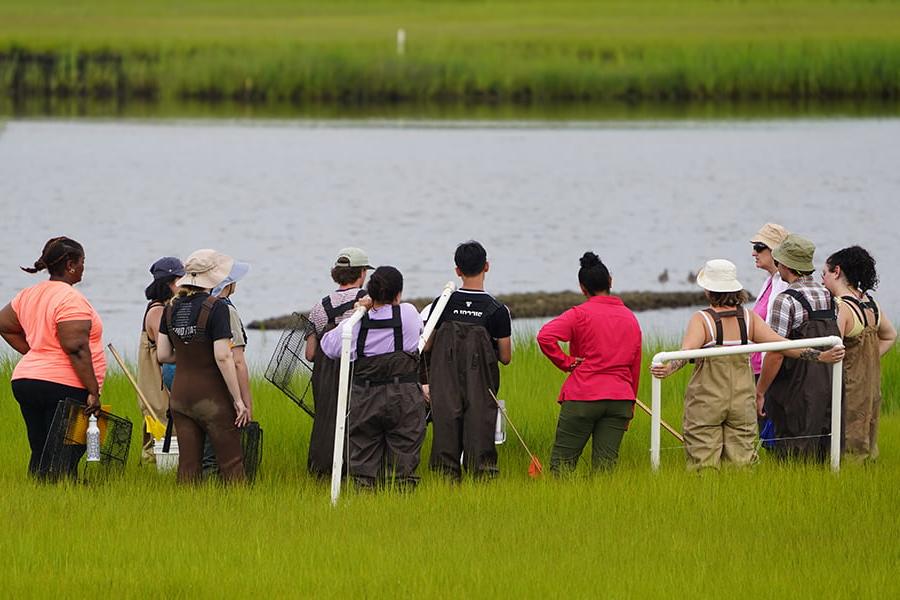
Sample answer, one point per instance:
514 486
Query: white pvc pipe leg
837 384
655 421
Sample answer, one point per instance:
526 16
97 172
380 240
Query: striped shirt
787 312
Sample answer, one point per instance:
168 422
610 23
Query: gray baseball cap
352 257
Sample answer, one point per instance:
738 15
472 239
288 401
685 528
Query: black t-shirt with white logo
186 313
478 308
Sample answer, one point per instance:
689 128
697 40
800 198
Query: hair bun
589 259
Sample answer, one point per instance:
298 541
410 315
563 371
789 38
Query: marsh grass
532 52
774 530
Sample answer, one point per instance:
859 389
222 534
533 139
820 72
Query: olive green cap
795 253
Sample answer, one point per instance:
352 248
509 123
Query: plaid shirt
319 318
787 312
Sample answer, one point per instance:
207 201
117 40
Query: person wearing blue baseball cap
150 377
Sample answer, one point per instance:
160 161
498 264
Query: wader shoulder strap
742 324
857 307
720 335
814 315
874 306
717 319
366 324
205 309
333 312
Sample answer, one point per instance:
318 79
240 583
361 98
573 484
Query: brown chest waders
463 372
862 384
799 399
202 405
386 418
720 405
324 386
149 378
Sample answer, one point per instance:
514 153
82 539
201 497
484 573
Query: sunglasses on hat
759 247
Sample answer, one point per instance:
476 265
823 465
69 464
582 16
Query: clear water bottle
93 440
500 429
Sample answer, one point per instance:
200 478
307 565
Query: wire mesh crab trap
66 443
288 369
252 445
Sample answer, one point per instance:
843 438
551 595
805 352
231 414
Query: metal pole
340 421
837 384
655 419
436 311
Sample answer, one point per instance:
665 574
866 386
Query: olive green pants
605 420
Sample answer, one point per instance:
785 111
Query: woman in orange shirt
59 335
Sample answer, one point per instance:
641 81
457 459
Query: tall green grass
479 52
774 530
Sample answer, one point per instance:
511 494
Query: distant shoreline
531 305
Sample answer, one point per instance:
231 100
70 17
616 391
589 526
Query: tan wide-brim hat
206 269
771 234
719 275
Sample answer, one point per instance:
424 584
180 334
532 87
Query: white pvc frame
437 309
837 375
340 421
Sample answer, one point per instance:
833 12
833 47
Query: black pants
37 400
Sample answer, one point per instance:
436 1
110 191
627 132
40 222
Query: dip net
251 445
288 369
67 442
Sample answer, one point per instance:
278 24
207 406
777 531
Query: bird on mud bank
664 276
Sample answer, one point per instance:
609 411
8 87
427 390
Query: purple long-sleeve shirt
379 341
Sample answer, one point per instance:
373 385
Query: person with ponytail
154 379
60 337
386 422
604 366
850 275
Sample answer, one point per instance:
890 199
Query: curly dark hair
857 265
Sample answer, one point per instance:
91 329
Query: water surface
286 195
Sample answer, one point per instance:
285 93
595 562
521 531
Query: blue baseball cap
167 266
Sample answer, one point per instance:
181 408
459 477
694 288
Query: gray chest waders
324 379
464 371
387 410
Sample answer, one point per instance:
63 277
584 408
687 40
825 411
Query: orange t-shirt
39 308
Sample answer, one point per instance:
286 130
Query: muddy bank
544 304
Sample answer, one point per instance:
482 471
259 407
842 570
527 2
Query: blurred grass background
525 52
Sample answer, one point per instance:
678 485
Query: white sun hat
719 275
